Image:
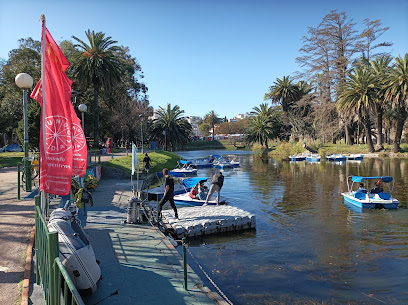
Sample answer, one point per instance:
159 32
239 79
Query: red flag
53 92
80 152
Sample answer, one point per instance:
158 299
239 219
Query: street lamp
83 108
25 81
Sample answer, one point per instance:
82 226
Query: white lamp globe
24 80
82 108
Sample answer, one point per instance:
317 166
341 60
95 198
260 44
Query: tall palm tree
396 90
211 118
95 63
358 97
263 110
260 130
283 92
381 68
170 127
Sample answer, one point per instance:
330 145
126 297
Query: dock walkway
139 265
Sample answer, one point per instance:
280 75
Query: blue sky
219 55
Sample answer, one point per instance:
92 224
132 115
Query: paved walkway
16 223
137 260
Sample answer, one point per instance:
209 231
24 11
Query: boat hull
186 200
370 201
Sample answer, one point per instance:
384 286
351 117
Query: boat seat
360 195
384 195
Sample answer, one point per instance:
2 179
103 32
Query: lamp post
141 128
83 108
25 81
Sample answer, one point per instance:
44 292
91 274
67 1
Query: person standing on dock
168 194
217 182
147 160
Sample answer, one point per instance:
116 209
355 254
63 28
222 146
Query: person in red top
109 145
194 191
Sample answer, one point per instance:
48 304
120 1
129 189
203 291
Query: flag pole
42 18
43 83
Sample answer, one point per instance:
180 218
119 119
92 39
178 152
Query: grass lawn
160 160
212 145
10 158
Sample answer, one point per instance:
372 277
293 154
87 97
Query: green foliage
33 122
176 128
160 160
25 59
96 63
11 159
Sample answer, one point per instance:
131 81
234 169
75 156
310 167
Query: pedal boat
185 199
362 198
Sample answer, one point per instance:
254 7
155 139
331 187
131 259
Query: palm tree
283 92
358 97
396 90
211 119
171 128
260 130
263 110
381 68
96 63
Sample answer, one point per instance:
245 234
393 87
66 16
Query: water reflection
309 246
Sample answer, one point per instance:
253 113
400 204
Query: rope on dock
209 278
150 217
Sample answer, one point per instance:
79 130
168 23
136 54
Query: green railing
50 271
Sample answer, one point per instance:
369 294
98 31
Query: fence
51 274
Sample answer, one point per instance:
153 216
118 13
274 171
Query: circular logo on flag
57 134
78 138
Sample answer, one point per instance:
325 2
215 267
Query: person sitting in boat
377 188
194 191
211 158
202 191
361 188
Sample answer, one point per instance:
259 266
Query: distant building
246 115
193 119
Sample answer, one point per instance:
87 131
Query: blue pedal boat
355 157
336 158
297 158
313 158
184 199
376 198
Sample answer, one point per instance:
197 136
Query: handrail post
184 262
53 252
18 181
37 203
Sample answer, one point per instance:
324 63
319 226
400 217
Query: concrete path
137 261
16 223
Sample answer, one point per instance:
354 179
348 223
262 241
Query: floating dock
204 220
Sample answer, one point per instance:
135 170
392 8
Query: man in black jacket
217 182
168 194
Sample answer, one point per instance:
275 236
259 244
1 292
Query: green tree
33 123
396 90
25 59
171 127
283 92
381 68
96 63
211 119
263 110
260 130
358 97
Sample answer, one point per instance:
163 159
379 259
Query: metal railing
49 269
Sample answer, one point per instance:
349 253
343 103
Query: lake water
308 248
